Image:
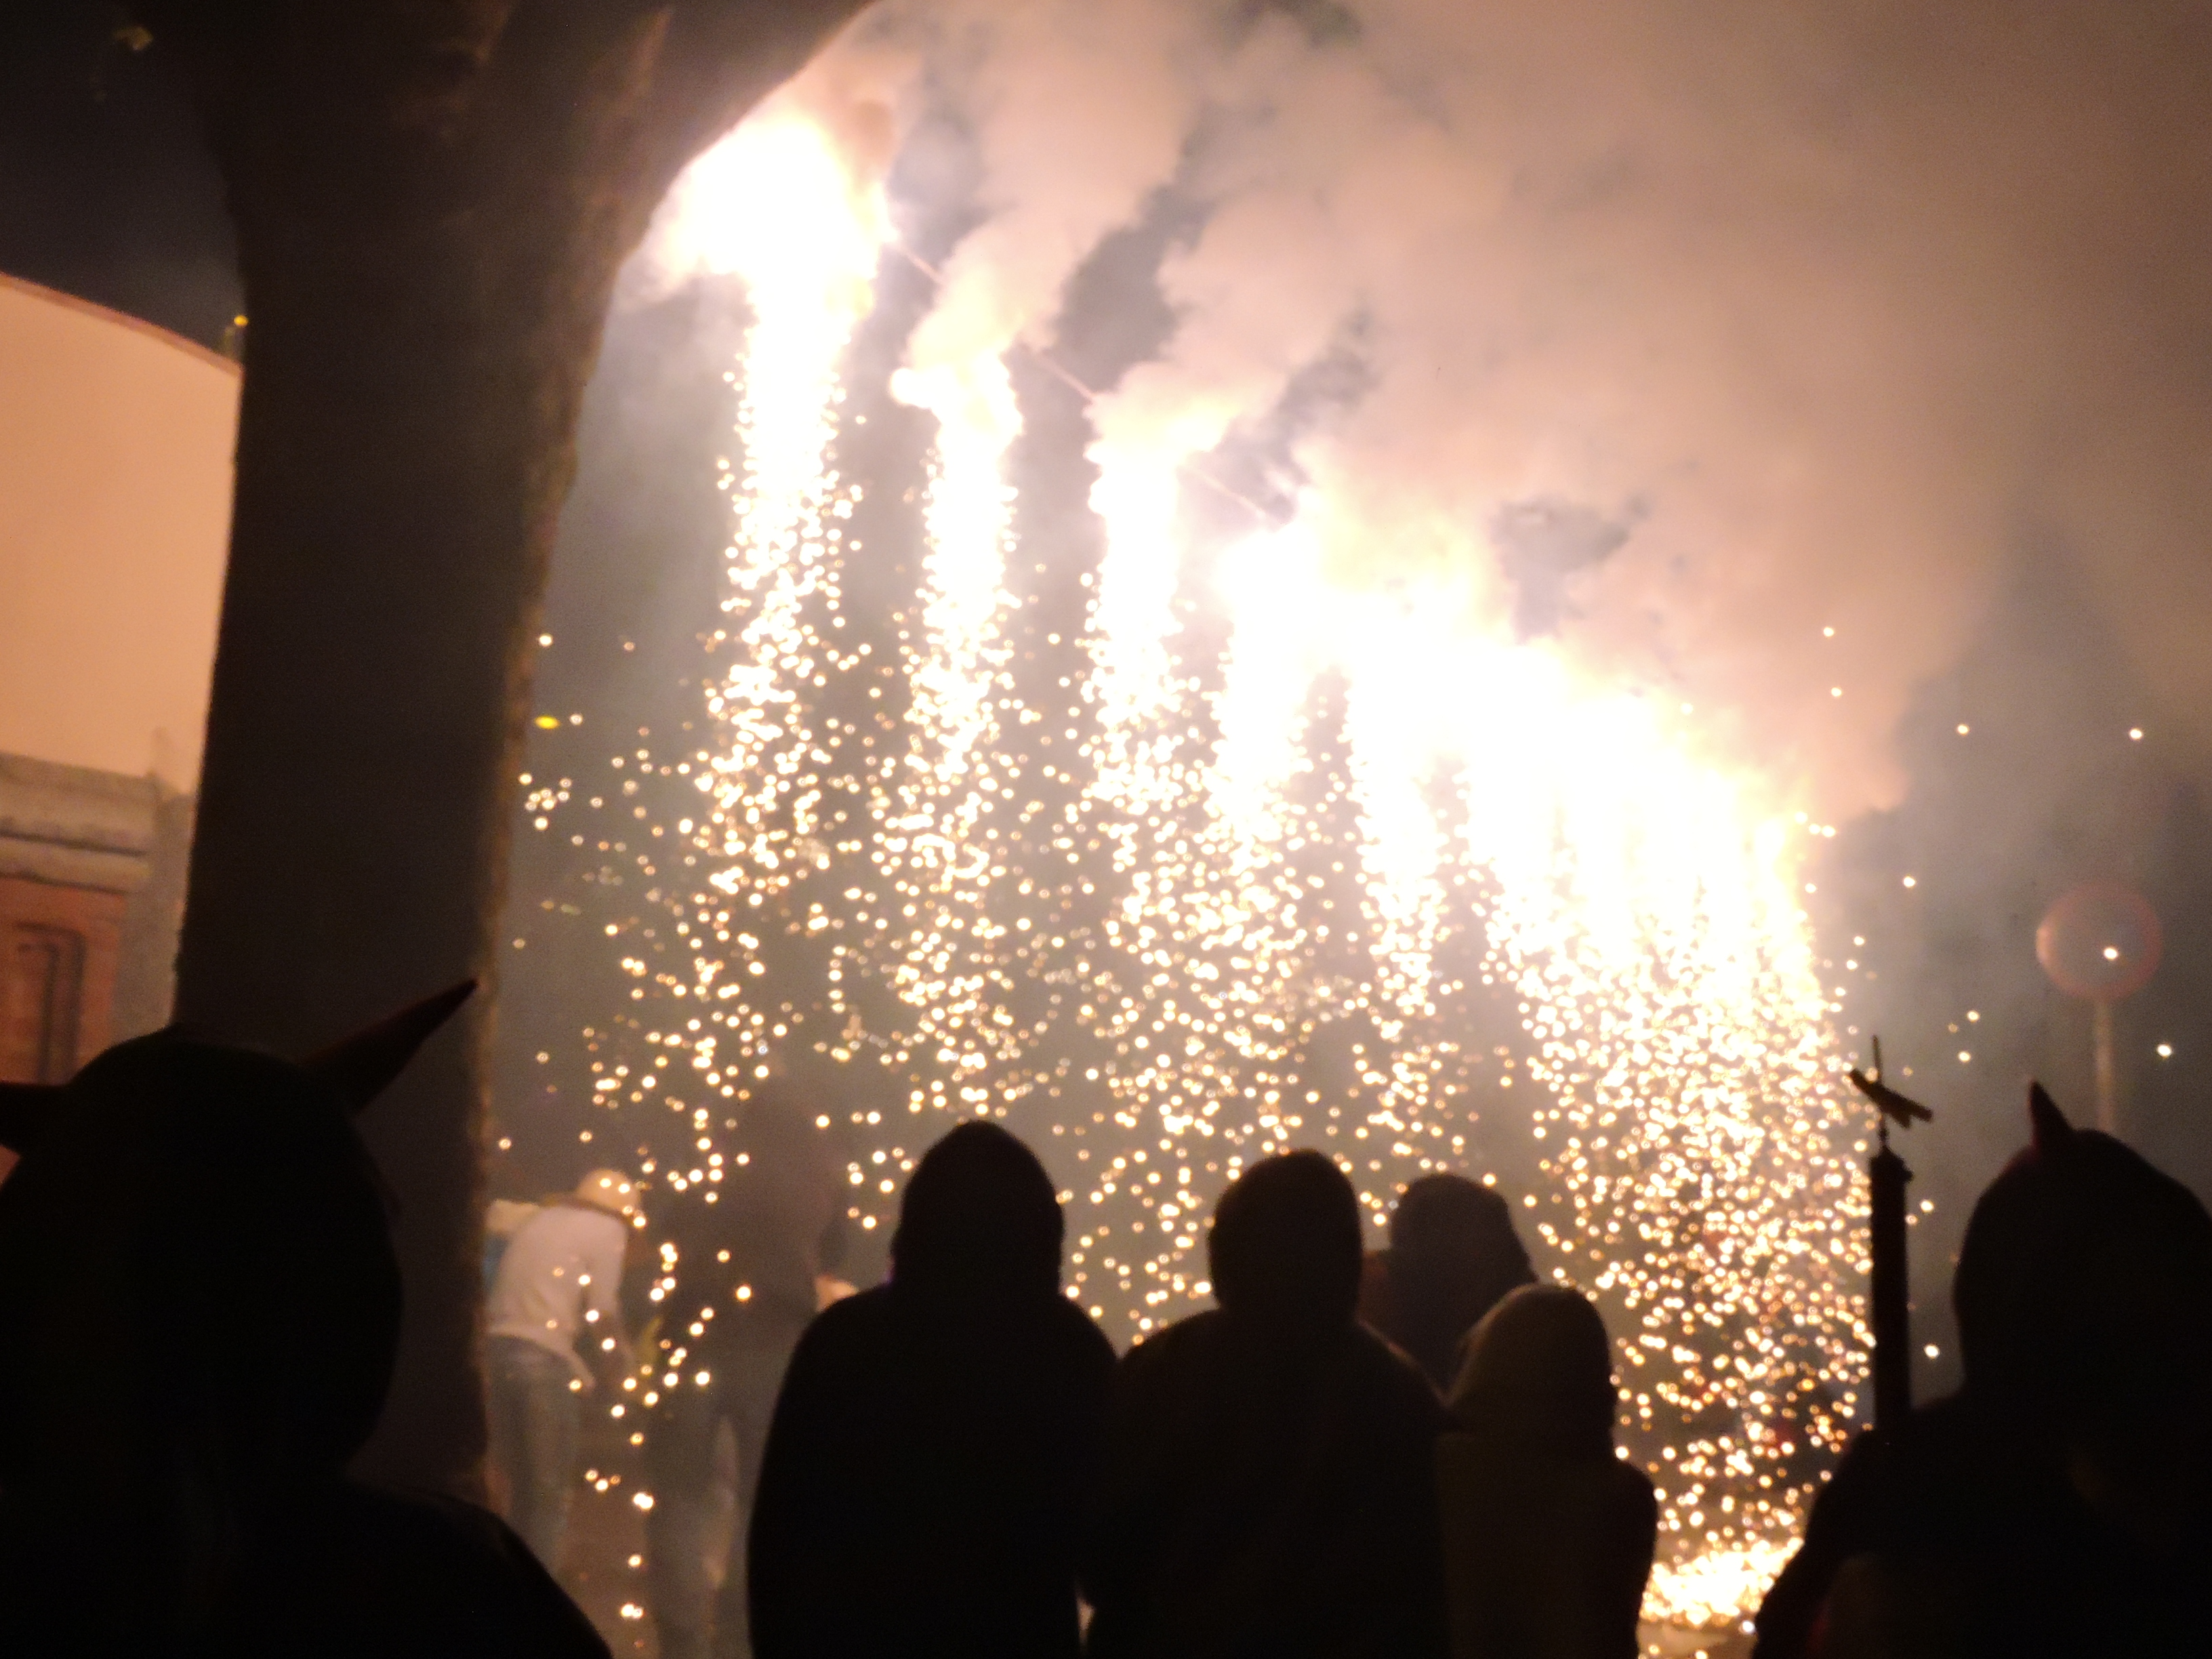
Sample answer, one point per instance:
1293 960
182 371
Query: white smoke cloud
1827 307
1078 112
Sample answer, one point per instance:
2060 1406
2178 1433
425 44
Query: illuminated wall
115 485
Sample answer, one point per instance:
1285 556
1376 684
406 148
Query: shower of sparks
1170 900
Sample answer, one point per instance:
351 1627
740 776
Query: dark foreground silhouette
2061 1503
1453 1254
199 1306
1547 1535
1269 1486
745 1270
923 1488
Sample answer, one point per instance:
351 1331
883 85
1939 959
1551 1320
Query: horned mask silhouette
197 1252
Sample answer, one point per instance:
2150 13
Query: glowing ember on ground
1716 1590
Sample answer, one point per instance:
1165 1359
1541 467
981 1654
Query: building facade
92 867
115 484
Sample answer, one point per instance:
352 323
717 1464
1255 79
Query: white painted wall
115 482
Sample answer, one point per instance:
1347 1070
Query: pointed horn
359 1068
2051 1131
25 1108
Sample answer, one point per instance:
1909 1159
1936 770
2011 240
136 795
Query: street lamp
2100 943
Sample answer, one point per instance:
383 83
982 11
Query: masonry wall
91 894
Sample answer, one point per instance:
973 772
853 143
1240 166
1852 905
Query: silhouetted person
2061 1503
1453 1254
746 1272
1547 1535
199 1308
1270 1484
558 1285
937 1436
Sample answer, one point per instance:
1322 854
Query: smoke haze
1807 316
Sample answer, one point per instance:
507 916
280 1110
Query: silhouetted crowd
1403 1455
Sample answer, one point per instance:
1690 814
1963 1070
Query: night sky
106 191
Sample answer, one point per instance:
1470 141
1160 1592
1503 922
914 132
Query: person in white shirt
559 1281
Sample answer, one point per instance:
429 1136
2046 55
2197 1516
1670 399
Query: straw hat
609 1190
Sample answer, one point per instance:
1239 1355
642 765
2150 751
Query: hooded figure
199 1309
1547 1535
923 1486
1269 1488
1453 1254
2061 1503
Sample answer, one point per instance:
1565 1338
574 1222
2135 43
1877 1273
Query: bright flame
775 203
966 521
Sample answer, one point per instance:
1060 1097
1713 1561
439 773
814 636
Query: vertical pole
2108 1086
1892 1295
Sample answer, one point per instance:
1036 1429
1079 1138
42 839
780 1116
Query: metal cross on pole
1891 1293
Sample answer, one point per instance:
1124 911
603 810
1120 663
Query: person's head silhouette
1446 1219
1453 1253
198 1290
1538 1377
980 1221
1285 1245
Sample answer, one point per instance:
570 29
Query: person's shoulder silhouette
1269 1485
923 1486
199 1311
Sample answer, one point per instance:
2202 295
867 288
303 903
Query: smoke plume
1729 350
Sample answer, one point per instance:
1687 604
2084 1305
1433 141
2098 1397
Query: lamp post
1890 1298
2100 943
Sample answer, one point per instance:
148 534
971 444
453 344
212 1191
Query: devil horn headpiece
355 1072
358 1069
2051 1131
